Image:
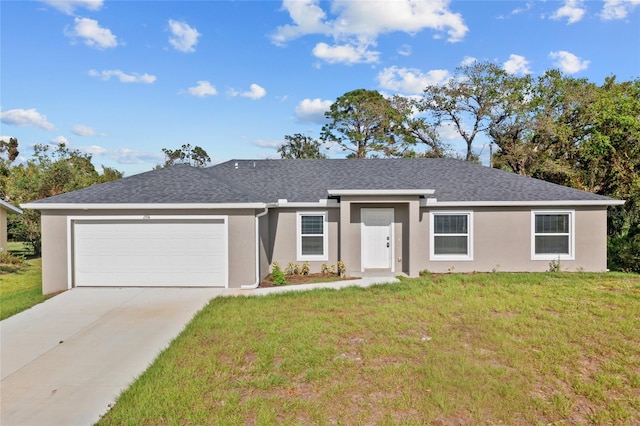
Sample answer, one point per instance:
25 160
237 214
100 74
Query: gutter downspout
257 283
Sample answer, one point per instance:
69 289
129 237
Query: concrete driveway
64 362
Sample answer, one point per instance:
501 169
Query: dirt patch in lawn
306 279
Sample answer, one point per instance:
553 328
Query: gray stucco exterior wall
284 239
502 241
3 229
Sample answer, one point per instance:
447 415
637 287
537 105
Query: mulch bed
316 278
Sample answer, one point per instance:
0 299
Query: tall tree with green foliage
300 146
8 153
50 171
470 102
362 122
186 154
418 137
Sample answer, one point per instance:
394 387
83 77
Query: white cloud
410 80
124 78
184 38
204 88
26 117
69 6
254 92
93 150
568 62
405 50
82 130
346 53
618 9
267 144
93 34
59 139
468 61
357 24
5 138
573 10
312 110
131 156
516 64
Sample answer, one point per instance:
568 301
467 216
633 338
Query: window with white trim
552 235
451 235
312 236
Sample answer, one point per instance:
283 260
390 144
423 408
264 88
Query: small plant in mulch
277 276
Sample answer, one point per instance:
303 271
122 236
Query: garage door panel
145 253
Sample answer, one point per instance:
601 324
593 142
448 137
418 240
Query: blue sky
123 79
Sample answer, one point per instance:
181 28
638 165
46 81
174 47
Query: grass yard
451 349
21 288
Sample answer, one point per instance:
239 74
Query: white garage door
151 253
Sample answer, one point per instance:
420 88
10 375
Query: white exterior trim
9 207
572 236
141 206
326 203
451 257
431 202
381 191
72 219
325 236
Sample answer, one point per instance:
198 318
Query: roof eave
139 206
432 202
10 207
368 192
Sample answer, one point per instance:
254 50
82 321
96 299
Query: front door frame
363 251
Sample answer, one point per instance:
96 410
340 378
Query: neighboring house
5 209
224 225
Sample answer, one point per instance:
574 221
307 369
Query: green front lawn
20 287
451 349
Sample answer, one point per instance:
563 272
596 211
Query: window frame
299 236
433 235
571 235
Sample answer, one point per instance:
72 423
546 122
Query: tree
49 172
193 156
470 101
300 146
414 130
8 153
361 122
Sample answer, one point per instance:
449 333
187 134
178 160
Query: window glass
450 245
552 223
312 246
312 225
450 224
552 244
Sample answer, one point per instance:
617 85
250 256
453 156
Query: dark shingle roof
239 181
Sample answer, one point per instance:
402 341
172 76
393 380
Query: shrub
304 269
292 269
9 259
554 266
277 276
342 268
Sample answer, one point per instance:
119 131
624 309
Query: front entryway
377 238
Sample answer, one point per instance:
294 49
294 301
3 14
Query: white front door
377 238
